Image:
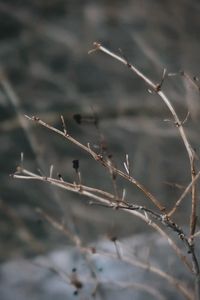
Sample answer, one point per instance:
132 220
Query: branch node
96 48
64 125
159 85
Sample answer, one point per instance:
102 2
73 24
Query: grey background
45 64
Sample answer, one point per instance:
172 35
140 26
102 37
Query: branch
186 191
157 89
191 155
108 200
99 158
172 280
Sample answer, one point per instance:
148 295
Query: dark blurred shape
75 163
78 118
9 27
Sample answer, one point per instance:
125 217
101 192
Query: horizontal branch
99 158
109 200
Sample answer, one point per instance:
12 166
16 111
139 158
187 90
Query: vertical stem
157 89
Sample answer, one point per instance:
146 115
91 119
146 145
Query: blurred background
45 70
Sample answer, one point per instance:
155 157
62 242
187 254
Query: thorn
150 91
167 120
51 171
172 74
123 195
64 125
126 165
22 160
159 85
29 118
186 118
128 64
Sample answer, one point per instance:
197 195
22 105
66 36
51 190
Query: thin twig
100 159
74 238
133 210
191 155
186 191
157 89
109 200
172 280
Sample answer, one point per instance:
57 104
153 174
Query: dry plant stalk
159 219
157 88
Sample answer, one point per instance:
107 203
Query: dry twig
156 219
157 88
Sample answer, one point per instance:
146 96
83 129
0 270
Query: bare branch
101 160
186 191
74 238
191 155
172 280
110 201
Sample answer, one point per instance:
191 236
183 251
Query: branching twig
74 238
156 219
157 89
186 191
110 201
99 158
177 284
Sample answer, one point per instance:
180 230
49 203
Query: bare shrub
158 218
